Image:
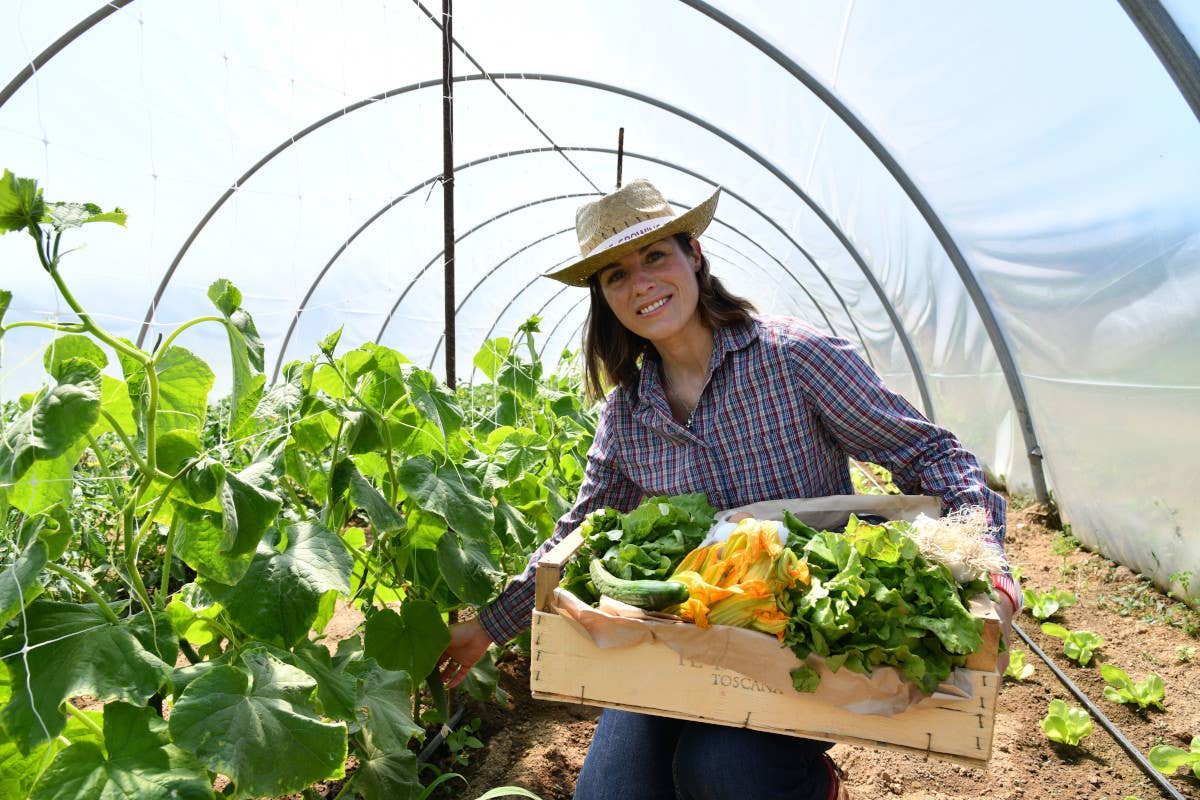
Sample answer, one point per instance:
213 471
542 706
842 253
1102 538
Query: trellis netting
997 204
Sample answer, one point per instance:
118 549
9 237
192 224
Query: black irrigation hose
1098 715
436 742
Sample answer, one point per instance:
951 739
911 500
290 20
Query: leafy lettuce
645 544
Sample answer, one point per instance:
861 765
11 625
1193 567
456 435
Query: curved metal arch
910 352
498 156
370 221
974 289
1173 49
478 284
550 335
58 45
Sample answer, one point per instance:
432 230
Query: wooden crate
653 679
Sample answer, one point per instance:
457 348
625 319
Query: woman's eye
614 276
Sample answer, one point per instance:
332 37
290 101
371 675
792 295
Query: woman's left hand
1004 610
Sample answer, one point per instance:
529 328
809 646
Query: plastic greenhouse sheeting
998 204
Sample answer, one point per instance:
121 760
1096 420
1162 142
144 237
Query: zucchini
650 595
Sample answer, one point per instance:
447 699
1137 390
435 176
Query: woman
710 398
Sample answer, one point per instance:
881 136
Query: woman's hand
468 642
1004 610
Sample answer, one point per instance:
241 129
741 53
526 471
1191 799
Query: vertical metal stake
448 181
620 153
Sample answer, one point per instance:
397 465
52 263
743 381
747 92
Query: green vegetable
1017 669
1122 689
1167 759
874 600
645 544
648 594
1077 645
1043 605
1066 725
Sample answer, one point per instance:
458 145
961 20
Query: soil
540 745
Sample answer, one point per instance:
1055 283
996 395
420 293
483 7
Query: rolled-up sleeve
872 423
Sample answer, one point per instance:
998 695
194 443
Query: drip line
1098 715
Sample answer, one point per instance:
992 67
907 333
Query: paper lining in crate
617 657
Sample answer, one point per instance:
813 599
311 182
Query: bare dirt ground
540 745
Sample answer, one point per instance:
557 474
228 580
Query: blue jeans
640 757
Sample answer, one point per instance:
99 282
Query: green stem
87 721
90 590
130 540
345 787
332 466
88 323
151 417
163 347
380 420
111 482
165 587
125 440
66 327
157 503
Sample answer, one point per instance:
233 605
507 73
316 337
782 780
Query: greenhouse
287 392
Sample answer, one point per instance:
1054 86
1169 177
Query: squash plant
359 476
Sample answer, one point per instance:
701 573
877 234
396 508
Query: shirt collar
726 340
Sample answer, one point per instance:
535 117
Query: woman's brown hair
612 354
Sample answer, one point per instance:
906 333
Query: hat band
632 232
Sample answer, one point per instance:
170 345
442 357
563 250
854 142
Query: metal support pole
448 181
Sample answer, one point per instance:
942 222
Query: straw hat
628 219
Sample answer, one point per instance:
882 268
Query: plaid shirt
783 408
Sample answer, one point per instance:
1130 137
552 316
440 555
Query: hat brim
694 222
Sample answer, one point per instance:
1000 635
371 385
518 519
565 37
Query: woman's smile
653 306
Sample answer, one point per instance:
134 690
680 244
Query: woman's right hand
468 642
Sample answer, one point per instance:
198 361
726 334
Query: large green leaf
246 353
248 508
199 543
20 772
347 478
62 650
385 701
278 598
21 204
517 450
411 640
435 402
513 528
60 351
490 358
449 492
48 483
336 688
57 419
468 567
384 775
20 580
184 381
255 724
138 760
174 448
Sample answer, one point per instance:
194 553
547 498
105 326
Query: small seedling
1122 689
1018 669
1066 724
1077 645
1166 759
1184 653
1043 605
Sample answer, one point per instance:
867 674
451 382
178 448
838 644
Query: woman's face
653 291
